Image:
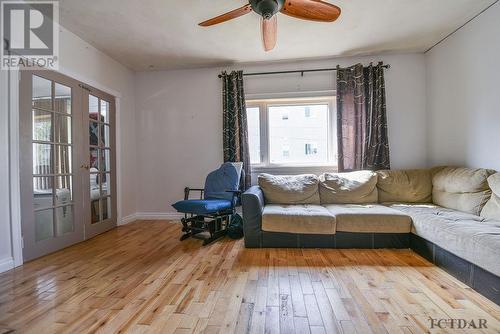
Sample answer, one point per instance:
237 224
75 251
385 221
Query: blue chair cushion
202 206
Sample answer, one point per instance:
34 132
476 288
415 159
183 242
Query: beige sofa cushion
369 218
353 188
290 189
491 210
304 219
463 189
409 186
463 234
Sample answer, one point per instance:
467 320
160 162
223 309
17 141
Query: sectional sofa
449 215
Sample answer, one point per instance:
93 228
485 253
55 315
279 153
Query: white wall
6 258
179 119
463 95
79 60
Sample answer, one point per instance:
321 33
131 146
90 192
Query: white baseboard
128 219
151 216
6 264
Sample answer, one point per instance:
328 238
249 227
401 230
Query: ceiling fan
313 10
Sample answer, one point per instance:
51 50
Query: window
311 149
292 132
253 121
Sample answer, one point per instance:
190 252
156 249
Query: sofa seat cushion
465 235
463 189
369 218
290 189
412 185
304 219
491 210
348 188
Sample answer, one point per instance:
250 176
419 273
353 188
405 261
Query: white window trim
316 168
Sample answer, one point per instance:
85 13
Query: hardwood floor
139 278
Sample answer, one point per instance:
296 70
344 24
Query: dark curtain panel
235 131
361 118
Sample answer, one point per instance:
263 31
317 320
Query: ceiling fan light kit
312 10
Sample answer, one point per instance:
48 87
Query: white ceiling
165 34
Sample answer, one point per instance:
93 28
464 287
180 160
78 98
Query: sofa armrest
252 202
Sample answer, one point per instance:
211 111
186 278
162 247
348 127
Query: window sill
297 169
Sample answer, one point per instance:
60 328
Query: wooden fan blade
227 16
313 10
269 32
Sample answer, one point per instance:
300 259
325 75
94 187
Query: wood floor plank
140 278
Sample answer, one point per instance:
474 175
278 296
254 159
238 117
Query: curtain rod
295 71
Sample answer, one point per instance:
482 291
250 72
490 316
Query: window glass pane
105 160
93 107
93 133
105 184
105 136
42 159
64 220
63 159
106 208
95 211
64 190
44 224
62 129
95 190
298 134
253 122
42 93
94 160
105 111
62 101
42 125
42 192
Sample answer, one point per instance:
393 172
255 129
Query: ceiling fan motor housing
267 8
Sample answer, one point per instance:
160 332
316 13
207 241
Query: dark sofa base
482 281
338 240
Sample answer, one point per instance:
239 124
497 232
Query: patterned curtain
361 118
235 131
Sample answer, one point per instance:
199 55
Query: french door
67 179
99 182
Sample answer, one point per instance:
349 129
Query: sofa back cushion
348 188
408 186
290 189
492 208
463 189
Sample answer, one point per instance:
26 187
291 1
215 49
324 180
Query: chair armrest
236 192
187 190
253 203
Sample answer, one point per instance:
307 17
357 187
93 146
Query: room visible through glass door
101 212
